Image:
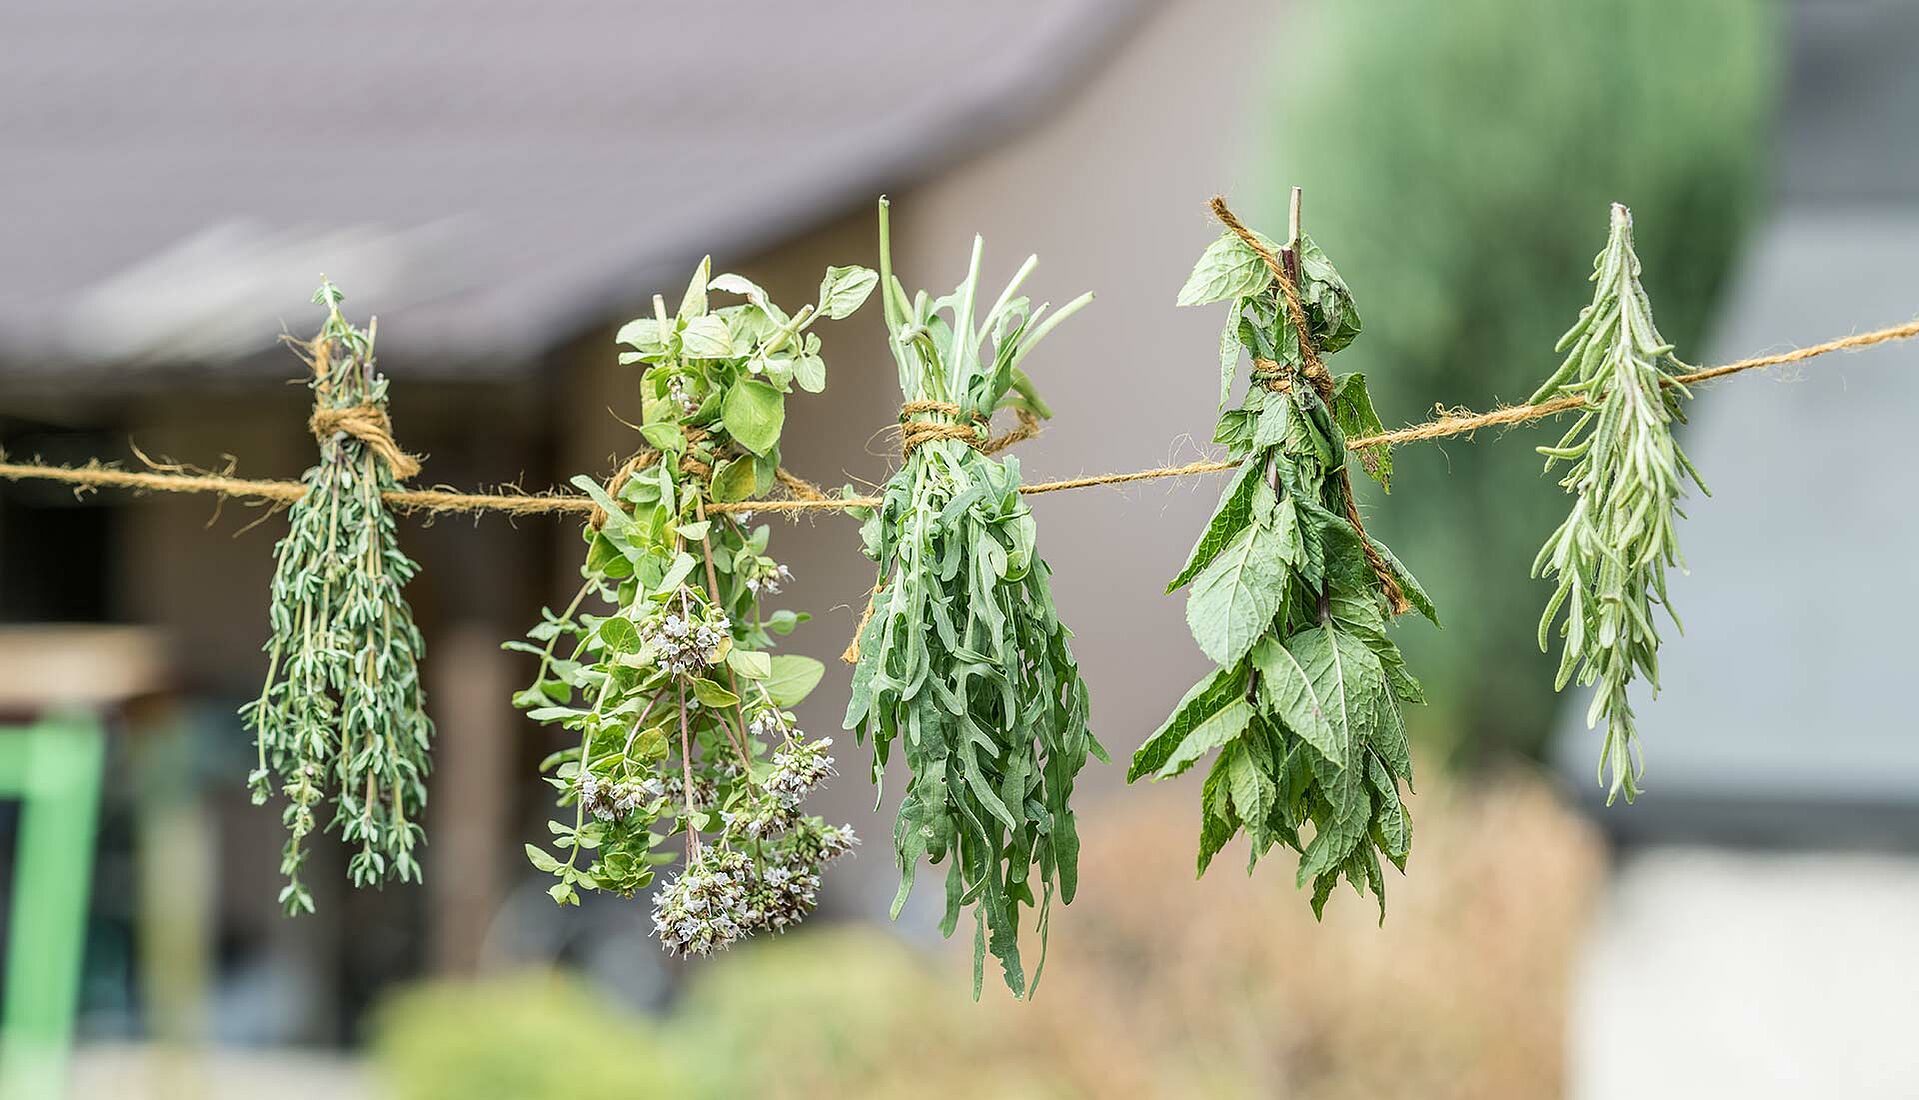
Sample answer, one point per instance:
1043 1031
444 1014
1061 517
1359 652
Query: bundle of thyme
964 658
683 715
1610 555
1290 596
341 716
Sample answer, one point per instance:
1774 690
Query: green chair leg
54 767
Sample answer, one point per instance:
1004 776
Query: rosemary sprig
341 715
682 713
964 659
1291 598
1609 557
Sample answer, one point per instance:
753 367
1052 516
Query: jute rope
916 433
97 475
1268 373
367 423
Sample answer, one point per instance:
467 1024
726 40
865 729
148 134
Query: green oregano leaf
754 413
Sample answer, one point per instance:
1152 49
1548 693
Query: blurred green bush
528 1036
1457 161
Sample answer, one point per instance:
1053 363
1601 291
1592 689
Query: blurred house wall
1107 186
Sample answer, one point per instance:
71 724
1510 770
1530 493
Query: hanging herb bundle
963 658
1609 557
341 716
1290 596
683 715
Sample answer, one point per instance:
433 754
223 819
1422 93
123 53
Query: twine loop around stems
797 487
977 433
644 459
369 424
1269 375
916 433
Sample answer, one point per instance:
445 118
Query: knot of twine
977 433
797 488
915 434
367 423
644 460
1269 375
1322 382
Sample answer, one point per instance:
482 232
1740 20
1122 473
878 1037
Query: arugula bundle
963 658
1610 555
682 713
1290 597
341 715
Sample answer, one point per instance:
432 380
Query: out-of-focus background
505 184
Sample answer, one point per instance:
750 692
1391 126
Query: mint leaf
1236 595
1227 269
1235 513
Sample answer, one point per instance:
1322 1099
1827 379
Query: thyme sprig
341 715
1609 557
964 660
1286 599
682 713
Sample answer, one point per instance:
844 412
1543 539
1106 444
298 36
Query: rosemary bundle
340 717
1290 596
682 713
1609 557
963 658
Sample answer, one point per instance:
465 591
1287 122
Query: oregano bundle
1609 557
964 661
341 716
682 712
1289 596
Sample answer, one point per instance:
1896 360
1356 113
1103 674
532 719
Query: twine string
369 424
98 475
916 433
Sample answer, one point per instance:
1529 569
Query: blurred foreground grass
1156 986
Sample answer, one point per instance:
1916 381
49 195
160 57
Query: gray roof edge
495 333
1021 96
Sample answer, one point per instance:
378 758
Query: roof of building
490 178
